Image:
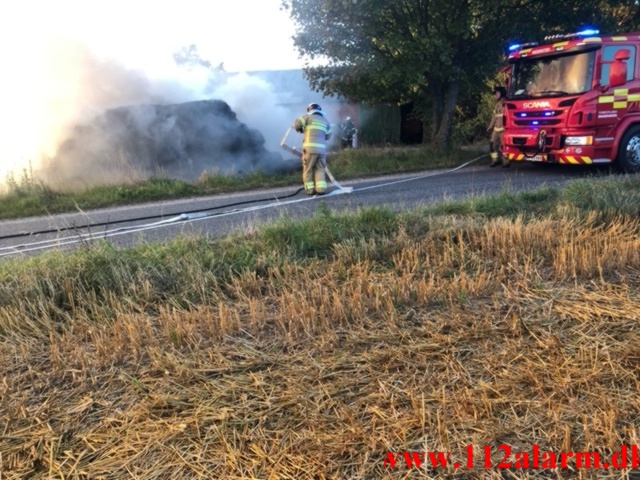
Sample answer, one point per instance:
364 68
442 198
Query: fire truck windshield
552 75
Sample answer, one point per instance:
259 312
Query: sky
66 60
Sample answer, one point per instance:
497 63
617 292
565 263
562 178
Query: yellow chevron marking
575 161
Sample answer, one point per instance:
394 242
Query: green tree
426 51
394 51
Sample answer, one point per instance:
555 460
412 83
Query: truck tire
628 159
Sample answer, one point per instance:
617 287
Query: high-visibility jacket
316 129
497 122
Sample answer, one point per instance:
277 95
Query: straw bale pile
176 140
465 334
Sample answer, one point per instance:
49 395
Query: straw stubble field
441 334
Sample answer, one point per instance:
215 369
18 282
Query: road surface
221 214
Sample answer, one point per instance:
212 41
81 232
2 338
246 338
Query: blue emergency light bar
519 46
587 32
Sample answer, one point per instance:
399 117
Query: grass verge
28 196
361 334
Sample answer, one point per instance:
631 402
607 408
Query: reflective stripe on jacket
497 122
317 131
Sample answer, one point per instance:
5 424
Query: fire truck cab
575 100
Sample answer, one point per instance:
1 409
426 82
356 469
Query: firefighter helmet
313 106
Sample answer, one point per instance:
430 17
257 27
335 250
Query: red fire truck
575 100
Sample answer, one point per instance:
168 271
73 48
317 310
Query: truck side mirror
618 68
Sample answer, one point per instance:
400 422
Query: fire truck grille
535 123
538 113
522 141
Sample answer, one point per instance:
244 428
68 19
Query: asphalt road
221 214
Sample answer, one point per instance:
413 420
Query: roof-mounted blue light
519 46
588 32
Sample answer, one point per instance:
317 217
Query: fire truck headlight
572 141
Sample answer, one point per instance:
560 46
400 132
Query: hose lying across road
190 216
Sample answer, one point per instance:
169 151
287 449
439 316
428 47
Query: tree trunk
444 96
443 136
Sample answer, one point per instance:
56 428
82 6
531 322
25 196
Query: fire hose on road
79 234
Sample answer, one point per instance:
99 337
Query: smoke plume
66 88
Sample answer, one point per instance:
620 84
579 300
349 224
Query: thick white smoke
256 104
64 84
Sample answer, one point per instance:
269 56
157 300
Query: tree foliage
428 51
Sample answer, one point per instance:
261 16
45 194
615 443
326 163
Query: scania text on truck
575 100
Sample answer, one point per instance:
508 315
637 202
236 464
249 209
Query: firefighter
496 128
317 131
347 130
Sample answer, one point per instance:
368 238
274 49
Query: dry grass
470 334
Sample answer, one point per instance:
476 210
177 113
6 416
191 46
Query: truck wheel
629 152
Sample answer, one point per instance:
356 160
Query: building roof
291 88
